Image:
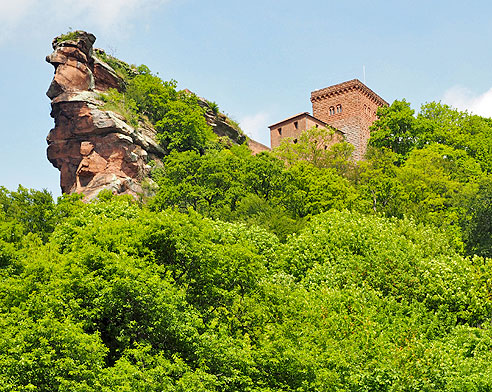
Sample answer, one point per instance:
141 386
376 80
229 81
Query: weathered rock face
222 128
94 149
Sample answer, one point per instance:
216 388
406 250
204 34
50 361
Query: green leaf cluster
176 115
69 36
437 184
234 185
441 165
397 128
120 297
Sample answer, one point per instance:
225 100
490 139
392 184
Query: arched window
339 108
332 110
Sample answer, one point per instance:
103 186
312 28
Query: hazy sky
258 59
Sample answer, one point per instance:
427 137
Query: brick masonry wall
358 111
348 121
288 128
256 147
367 117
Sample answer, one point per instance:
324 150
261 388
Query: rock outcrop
94 148
222 127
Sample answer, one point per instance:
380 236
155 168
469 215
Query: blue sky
259 60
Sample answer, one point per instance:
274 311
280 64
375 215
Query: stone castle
349 108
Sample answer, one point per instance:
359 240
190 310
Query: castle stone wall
350 107
292 127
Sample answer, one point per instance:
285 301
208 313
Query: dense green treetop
176 115
120 297
398 129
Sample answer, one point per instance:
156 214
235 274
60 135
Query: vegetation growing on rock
178 116
122 69
70 36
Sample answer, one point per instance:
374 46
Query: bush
183 127
70 36
122 104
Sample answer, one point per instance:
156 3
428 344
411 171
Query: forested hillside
295 270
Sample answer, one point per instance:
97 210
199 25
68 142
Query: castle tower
350 107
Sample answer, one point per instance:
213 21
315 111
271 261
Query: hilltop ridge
96 147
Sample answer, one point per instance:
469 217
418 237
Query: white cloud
19 16
256 127
11 14
12 11
106 14
464 99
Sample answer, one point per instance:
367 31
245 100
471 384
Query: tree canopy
120 297
295 270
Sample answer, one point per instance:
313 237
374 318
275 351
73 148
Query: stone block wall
350 107
292 127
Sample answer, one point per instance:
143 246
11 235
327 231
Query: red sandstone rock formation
94 149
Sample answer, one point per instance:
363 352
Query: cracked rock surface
93 148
